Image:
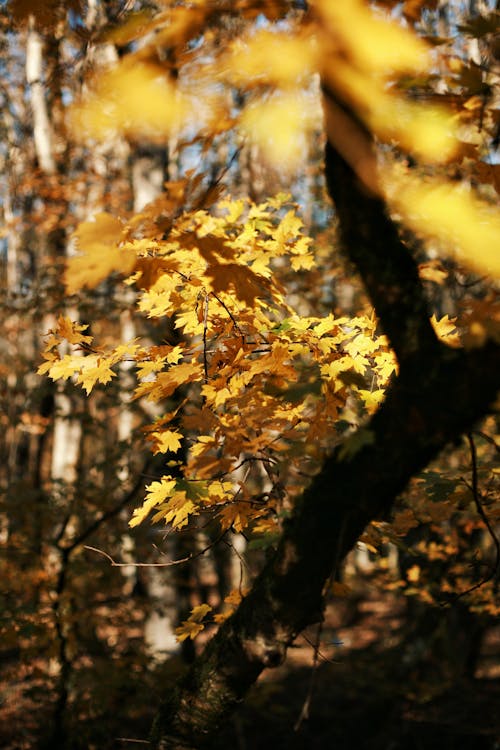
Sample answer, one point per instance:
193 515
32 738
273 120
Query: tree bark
438 394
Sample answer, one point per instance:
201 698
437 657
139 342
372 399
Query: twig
233 319
321 655
243 562
304 712
489 439
181 560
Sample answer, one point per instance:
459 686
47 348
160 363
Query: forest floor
374 687
368 693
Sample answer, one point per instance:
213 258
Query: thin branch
243 562
233 319
321 655
170 563
304 712
488 439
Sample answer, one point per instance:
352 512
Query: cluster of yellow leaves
468 228
264 382
88 368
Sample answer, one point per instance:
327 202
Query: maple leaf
94 370
167 441
156 494
188 629
234 209
199 612
177 510
144 369
71 331
64 368
167 382
193 625
134 97
247 285
236 516
371 399
99 253
51 358
446 329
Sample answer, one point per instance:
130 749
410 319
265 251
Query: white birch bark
42 129
67 431
148 176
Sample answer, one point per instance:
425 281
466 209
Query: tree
266 386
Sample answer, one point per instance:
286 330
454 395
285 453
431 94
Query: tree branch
371 241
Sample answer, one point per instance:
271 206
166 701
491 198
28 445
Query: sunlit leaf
157 492
467 227
278 126
98 255
134 97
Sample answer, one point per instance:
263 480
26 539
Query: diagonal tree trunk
438 394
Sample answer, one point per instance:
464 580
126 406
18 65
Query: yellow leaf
468 227
426 130
186 372
64 368
176 510
278 126
270 57
175 355
51 358
372 399
325 326
219 491
188 629
446 329
71 331
432 271
199 612
234 209
156 494
94 370
231 601
135 98
99 254
193 625
167 441
236 516
144 369
377 45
